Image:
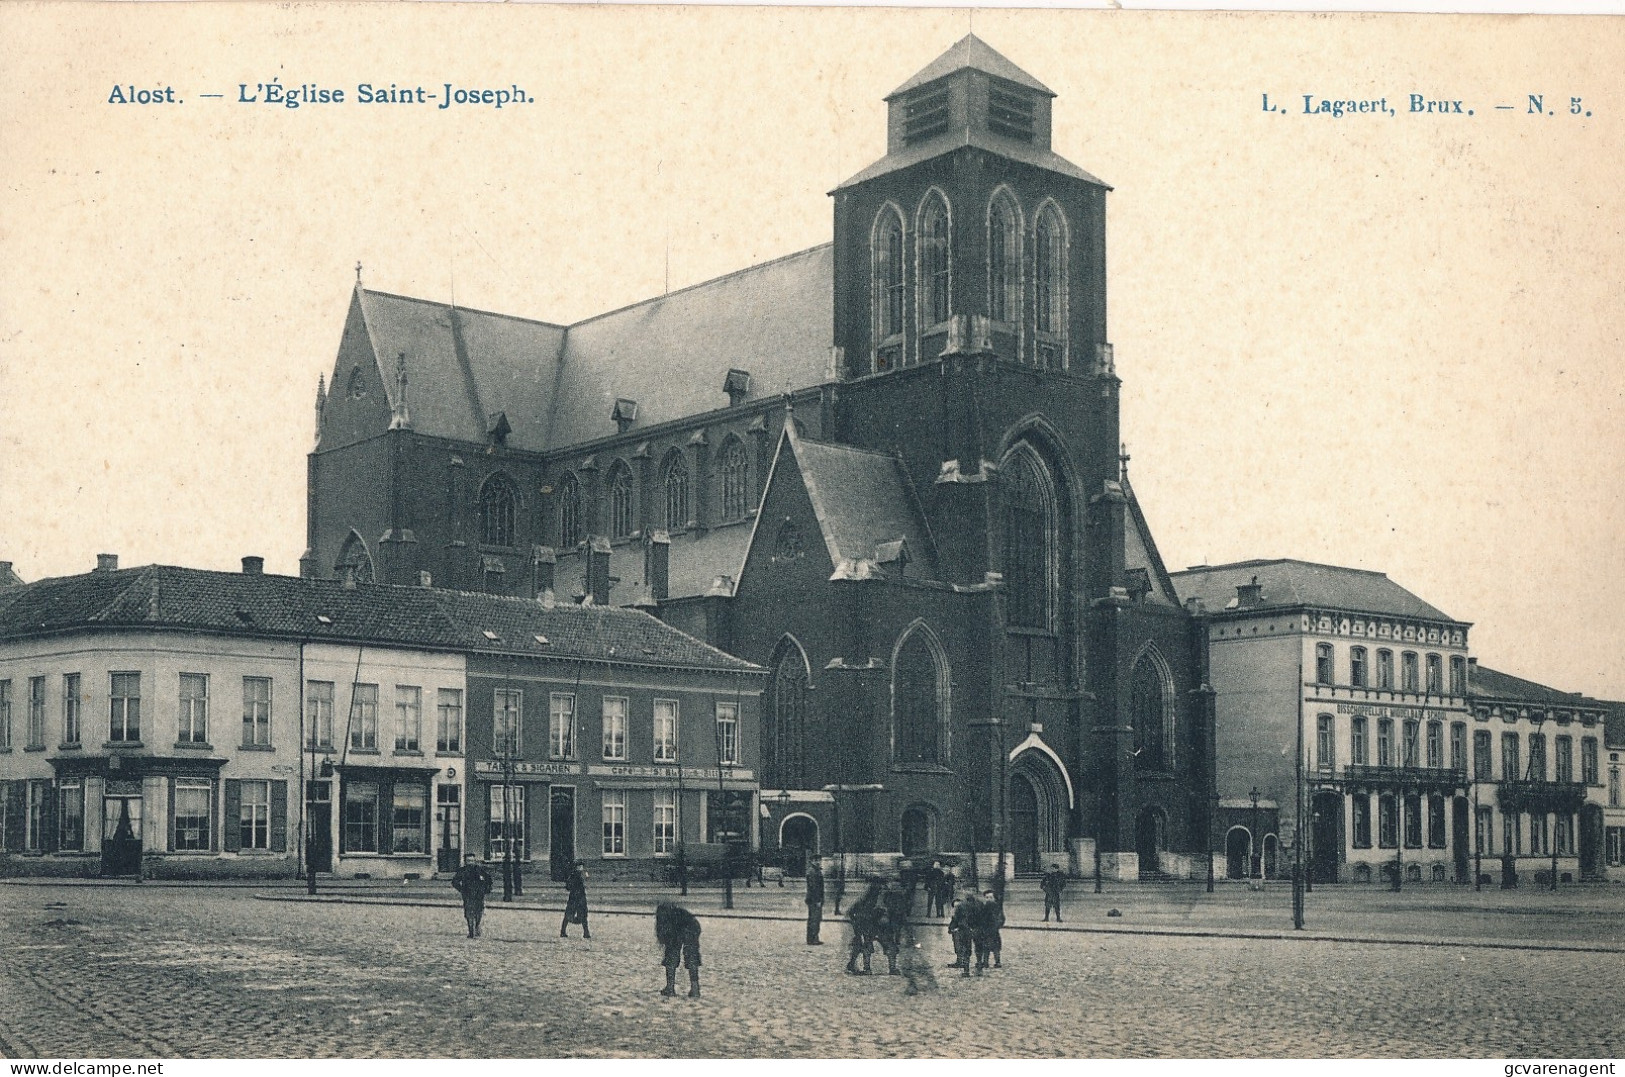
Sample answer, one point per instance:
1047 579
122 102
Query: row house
1537 780
1341 719
171 722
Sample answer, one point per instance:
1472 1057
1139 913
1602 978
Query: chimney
542 567
657 565
425 579
107 562
348 575
598 570
1249 594
253 566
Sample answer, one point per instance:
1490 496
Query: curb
1195 933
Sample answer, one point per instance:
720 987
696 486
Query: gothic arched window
569 494
499 503
1049 274
919 700
1029 539
1003 258
783 755
887 256
621 517
936 261
735 480
354 555
1151 711
674 480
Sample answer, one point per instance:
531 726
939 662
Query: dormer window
624 414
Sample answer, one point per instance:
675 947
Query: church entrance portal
1151 840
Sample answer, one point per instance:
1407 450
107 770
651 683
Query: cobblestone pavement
192 972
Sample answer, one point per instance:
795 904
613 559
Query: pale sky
1383 342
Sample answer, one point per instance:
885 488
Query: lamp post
1478 841
1255 845
725 830
784 811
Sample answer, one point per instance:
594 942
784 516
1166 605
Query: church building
887 469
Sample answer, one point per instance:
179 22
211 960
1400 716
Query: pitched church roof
973 138
556 385
972 52
1288 584
864 504
1140 552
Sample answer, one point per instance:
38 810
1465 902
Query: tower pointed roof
971 51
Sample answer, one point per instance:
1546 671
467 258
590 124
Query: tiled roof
695 562
861 499
975 138
1486 683
1287 583
972 52
162 596
557 384
595 633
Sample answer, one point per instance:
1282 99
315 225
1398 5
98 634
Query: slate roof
861 499
1289 584
463 365
167 597
1486 683
672 353
557 384
1015 149
971 51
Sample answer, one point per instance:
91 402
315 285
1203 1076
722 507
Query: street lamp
784 811
1255 845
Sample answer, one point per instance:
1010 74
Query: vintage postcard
801 533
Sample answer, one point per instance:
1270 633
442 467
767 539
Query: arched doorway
919 830
1271 854
1238 852
1151 839
799 834
1037 800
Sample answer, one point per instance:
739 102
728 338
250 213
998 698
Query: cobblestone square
155 971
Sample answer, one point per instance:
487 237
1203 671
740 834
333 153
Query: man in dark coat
473 882
962 927
678 933
989 932
868 920
933 889
575 905
1053 883
815 902
945 891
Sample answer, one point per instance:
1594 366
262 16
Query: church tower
970 214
